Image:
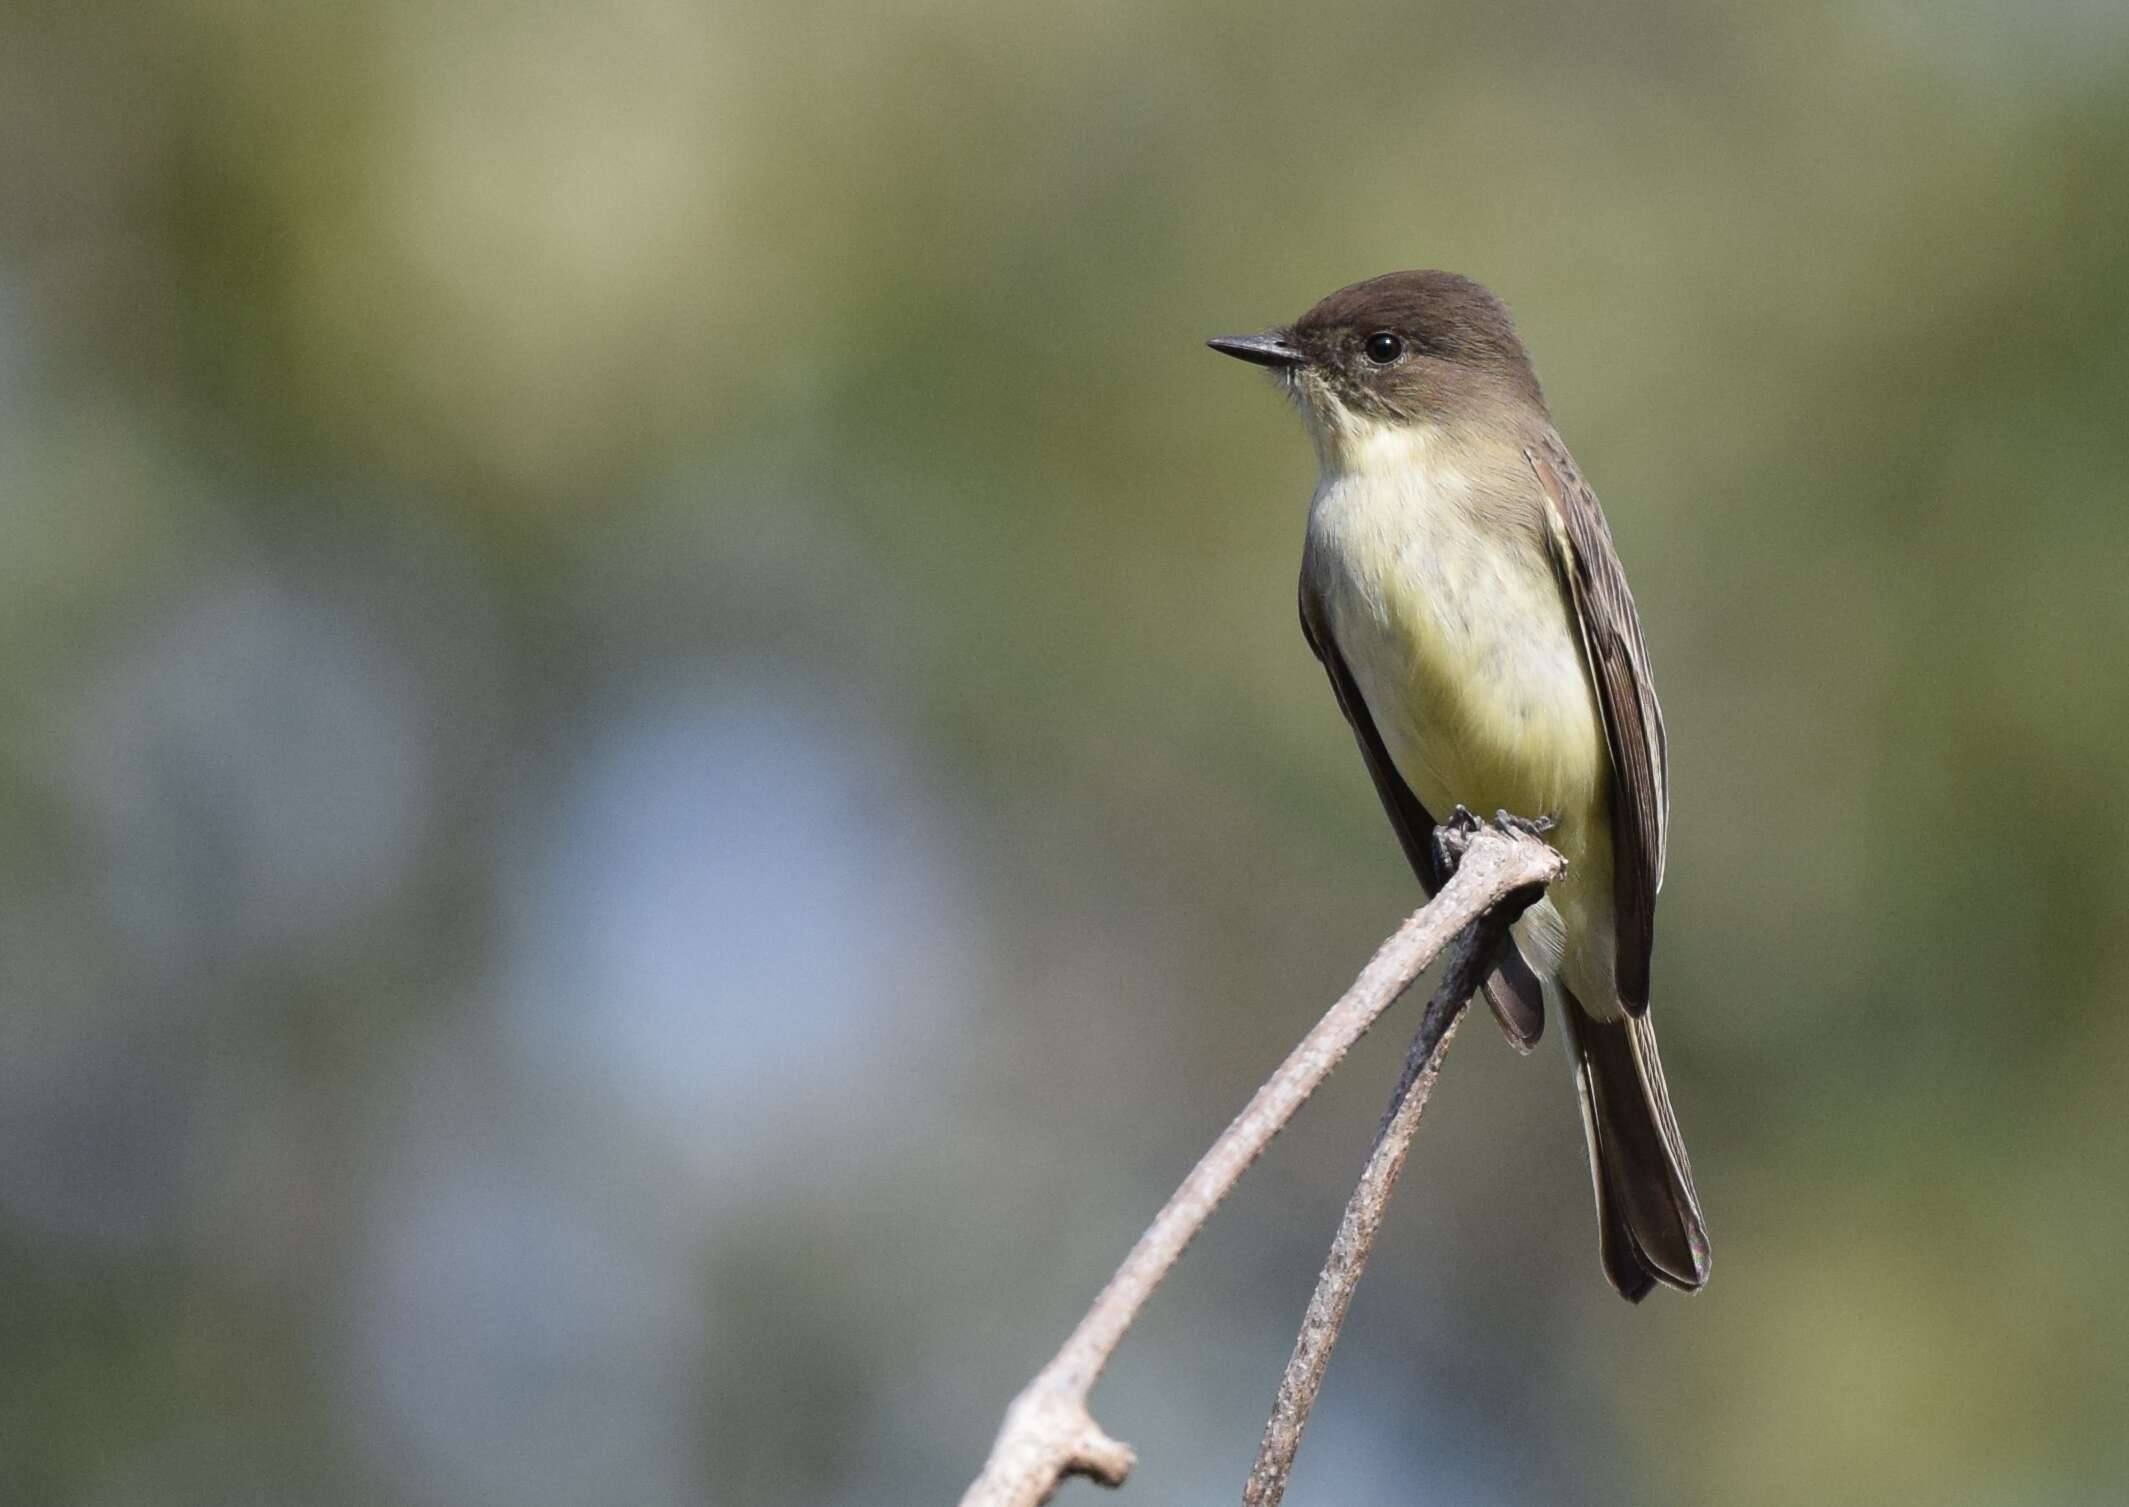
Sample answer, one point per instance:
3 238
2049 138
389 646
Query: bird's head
1404 350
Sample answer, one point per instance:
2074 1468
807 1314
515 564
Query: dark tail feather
1648 1219
1518 999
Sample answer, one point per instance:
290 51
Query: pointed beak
1259 350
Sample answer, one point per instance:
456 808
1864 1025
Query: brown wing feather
1626 698
1513 990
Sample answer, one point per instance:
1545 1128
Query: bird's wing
1513 991
1588 566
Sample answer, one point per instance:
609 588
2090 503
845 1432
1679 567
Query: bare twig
1468 966
1049 1432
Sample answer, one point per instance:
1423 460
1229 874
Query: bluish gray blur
656 774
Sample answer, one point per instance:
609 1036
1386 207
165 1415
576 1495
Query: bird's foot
1451 838
1529 826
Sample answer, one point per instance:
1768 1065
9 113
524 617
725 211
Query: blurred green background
656 775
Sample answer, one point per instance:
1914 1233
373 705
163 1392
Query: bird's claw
1529 826
1451 838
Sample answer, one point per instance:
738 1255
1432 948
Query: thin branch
1049 1432
1476 949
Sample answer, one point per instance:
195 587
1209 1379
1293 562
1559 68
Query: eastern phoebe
1460 587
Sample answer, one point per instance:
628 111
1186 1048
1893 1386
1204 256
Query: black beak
1259 350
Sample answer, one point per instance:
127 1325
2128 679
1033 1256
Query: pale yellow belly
1465 650
1476 682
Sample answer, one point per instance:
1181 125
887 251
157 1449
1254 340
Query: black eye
1384 347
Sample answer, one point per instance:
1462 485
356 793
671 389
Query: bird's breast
1446 609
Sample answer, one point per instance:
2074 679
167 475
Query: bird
1460 586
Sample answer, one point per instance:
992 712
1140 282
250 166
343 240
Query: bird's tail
1648 1218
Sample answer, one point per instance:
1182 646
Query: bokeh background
656 775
